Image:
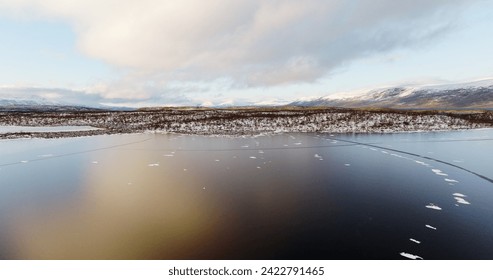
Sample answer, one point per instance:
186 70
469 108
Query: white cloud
251 42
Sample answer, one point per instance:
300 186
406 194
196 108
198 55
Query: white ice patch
252 157
431 227
298 143
94 162
415 241
459 195
433 206
319 157
24 161
184 169
384 152
451 180
439 172
461 200
260 152
258 167
411 256
153 164
47 155
373 149
422 163
347 164
245 146
169 155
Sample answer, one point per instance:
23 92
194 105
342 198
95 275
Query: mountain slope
470 95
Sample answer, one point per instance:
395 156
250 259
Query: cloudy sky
195 52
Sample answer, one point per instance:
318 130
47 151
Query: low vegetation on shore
245 121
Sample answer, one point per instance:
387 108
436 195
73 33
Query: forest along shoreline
244 121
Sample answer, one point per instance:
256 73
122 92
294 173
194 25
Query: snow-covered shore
243 121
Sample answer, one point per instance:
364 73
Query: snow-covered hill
477 94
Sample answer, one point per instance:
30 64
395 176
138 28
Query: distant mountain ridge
455 96
38 104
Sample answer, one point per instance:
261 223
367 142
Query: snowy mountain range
478 94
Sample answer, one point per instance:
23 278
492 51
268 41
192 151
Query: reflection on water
299 196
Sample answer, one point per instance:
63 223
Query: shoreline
242 122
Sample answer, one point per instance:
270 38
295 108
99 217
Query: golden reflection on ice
126 210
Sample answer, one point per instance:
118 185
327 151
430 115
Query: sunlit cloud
252 43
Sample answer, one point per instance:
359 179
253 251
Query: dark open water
291 196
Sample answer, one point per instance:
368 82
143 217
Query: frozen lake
290 196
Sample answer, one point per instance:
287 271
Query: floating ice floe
461 200
24 161
422 163
153 164
415 241
245 146
258 167
169 155
451 180
384 152
298 143
431 227
439 172
252 157
433 206
216 160
260 152
410 256
319 157
347 164
94 162
459 194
